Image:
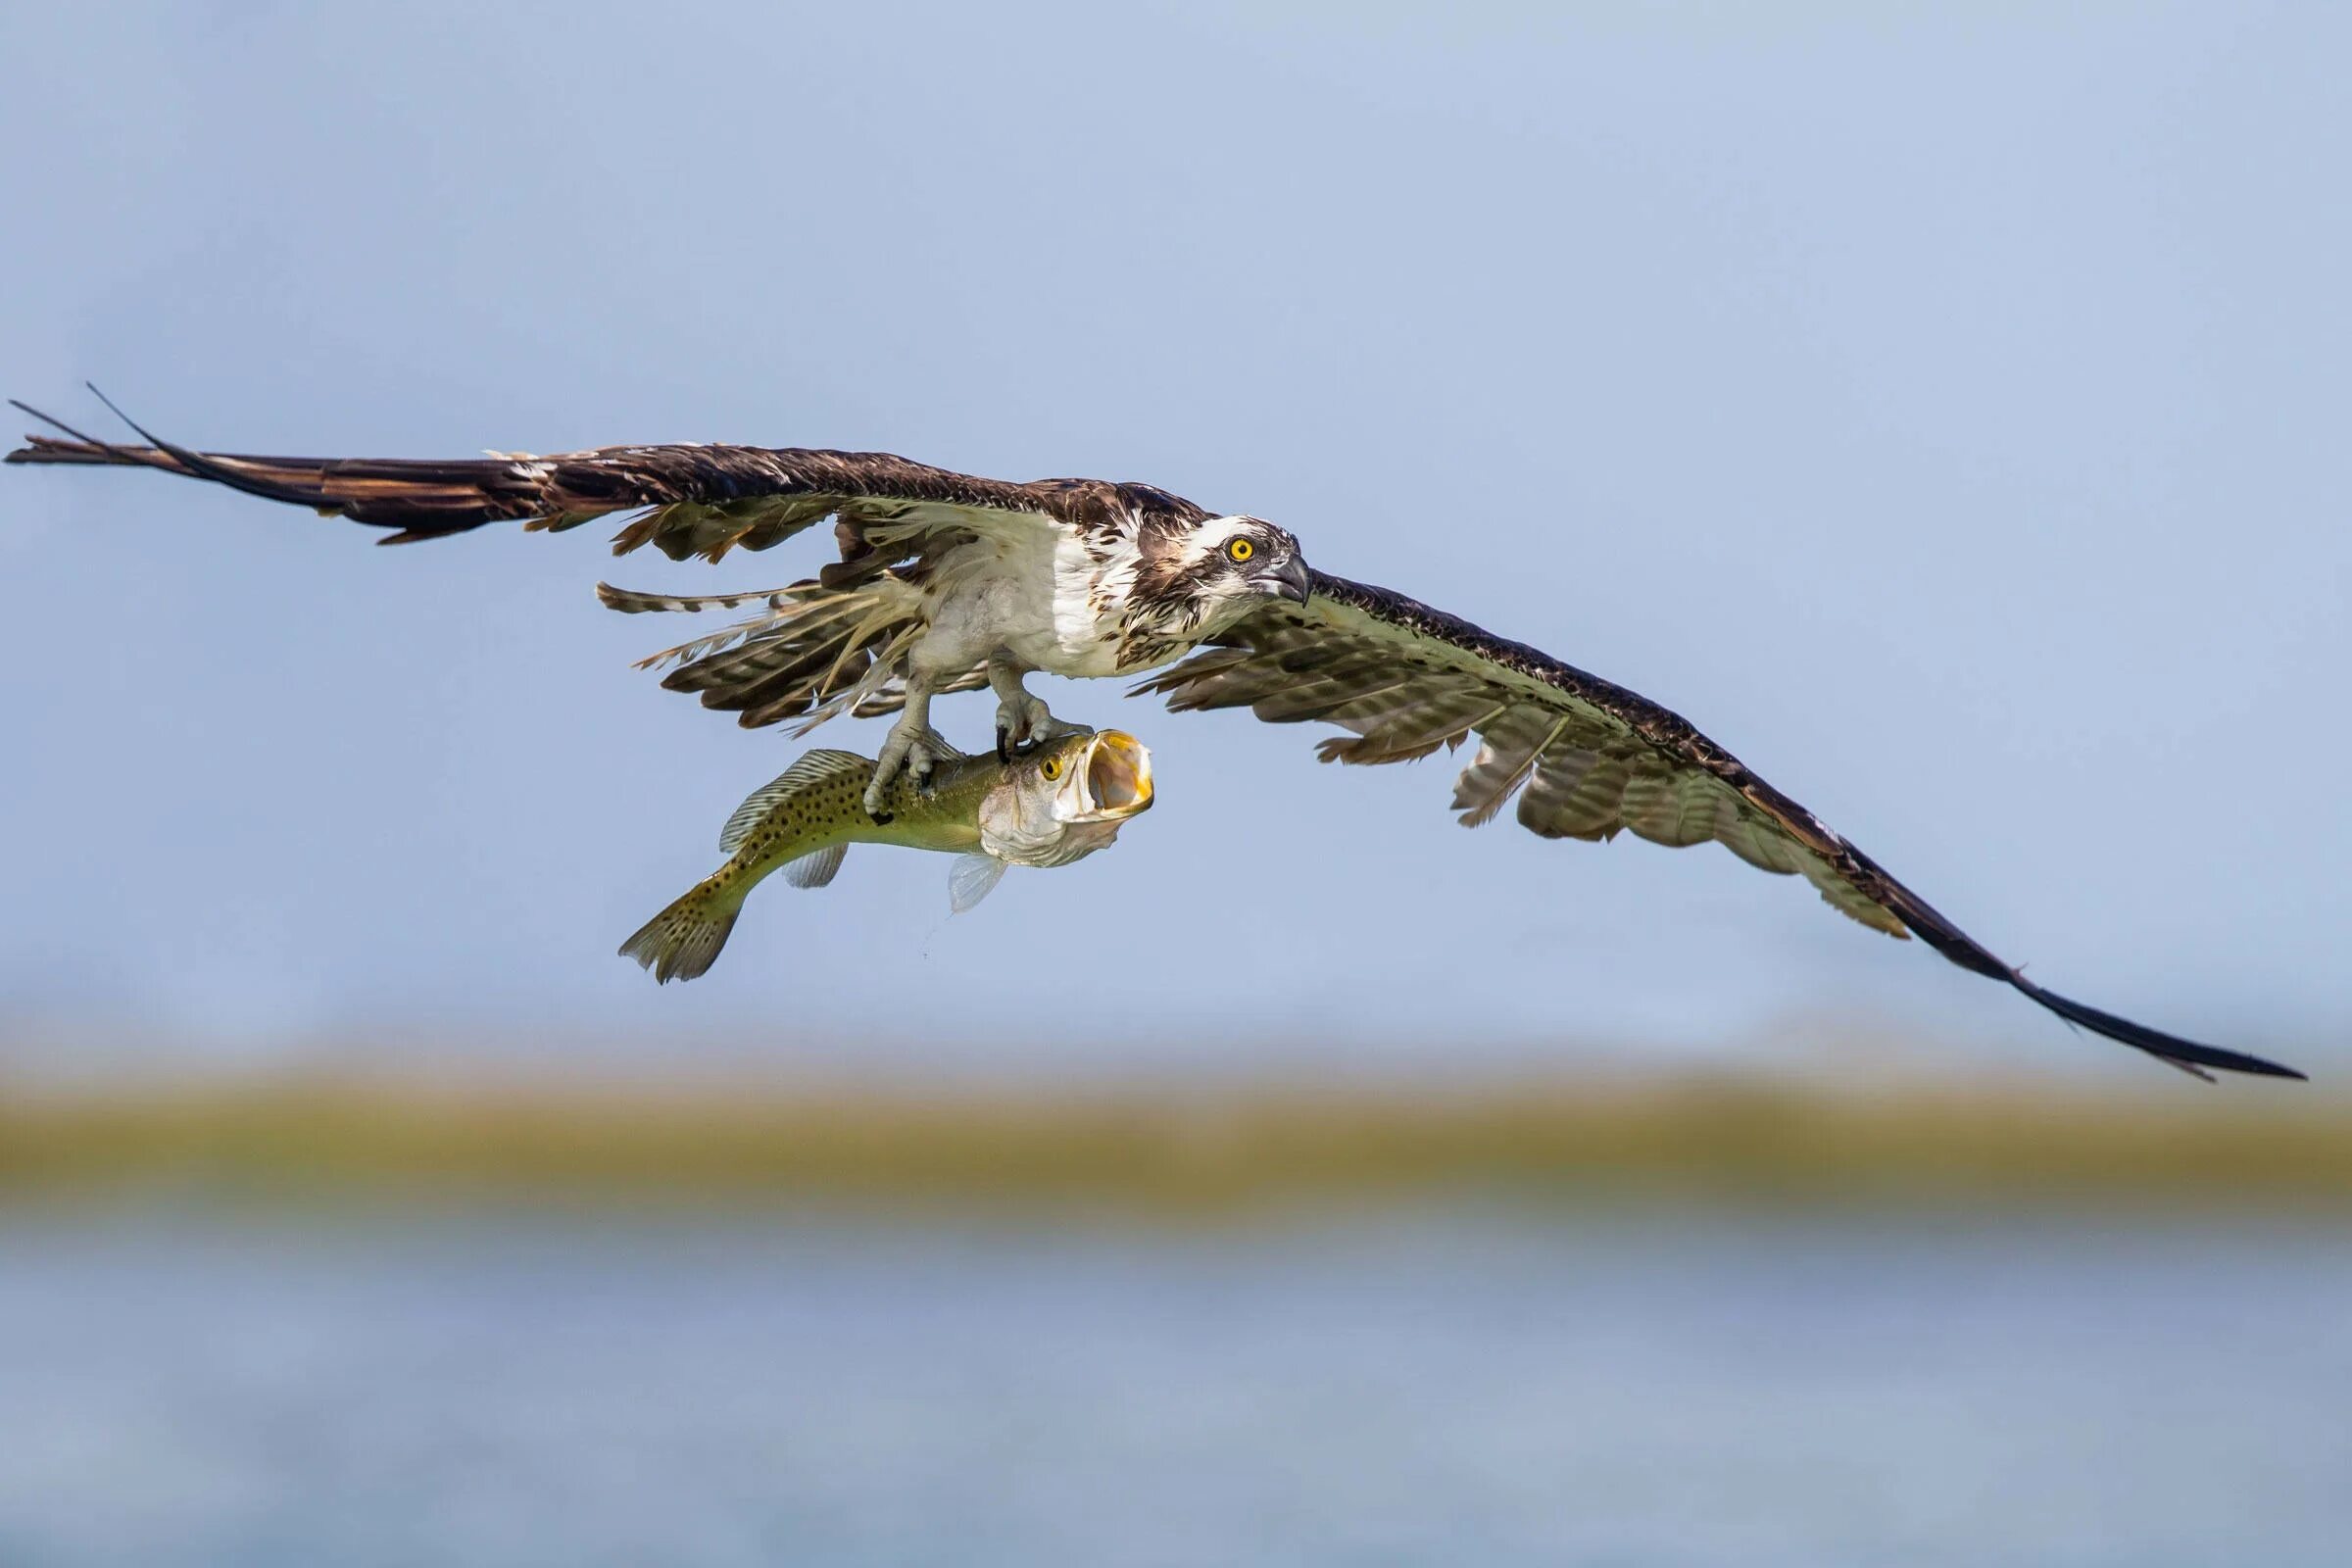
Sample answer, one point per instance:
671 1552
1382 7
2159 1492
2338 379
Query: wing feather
1505 760
688 499
1586 760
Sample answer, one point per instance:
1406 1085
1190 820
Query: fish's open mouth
1118 775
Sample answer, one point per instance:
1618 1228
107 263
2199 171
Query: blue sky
1944 405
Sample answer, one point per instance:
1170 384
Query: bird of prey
947 582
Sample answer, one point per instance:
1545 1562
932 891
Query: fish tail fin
683 940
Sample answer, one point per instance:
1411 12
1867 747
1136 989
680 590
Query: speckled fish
1048 807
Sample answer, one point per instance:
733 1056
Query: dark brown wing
1586 760
696 499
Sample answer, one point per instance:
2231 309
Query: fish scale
802 821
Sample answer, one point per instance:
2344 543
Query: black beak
1290 580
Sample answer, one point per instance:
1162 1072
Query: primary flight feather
948 583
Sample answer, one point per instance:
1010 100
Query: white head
1202 579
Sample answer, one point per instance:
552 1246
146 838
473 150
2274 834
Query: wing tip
2198 1062
77 447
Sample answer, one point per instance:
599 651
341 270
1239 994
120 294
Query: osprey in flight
945 582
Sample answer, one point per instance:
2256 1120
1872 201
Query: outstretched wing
692 500
823 646
1585 758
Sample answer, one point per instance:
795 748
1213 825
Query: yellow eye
1051 768
1241 549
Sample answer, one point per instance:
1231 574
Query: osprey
947 582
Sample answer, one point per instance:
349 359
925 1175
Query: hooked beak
1116 775
1290 580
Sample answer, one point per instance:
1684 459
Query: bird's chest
1054 605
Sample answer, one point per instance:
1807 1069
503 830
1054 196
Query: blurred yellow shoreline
1184 1149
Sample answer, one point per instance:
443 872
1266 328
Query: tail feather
684 940
809 653
629 601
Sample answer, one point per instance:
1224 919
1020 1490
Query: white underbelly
995 602
1057 654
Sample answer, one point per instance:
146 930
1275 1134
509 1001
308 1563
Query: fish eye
1240 550
1051 768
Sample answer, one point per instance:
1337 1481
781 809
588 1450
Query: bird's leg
1021 719
912 745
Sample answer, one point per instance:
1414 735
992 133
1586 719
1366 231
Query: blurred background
1942 405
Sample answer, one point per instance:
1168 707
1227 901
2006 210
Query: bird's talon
910 750
1024 723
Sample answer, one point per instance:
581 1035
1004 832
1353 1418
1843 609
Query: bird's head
1208 576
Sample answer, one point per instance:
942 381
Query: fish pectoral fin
971 878
815 869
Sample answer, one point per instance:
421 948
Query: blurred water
1467 1388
